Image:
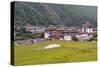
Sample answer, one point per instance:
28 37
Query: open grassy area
68 52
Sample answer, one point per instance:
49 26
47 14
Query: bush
28 35
74 38
94 37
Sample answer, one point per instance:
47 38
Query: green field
68 52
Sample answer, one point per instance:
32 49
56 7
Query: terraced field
68 52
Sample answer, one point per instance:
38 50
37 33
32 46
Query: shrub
74 38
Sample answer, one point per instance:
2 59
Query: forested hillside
44 14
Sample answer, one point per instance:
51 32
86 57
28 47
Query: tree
95 35
94 38
74 38
23 30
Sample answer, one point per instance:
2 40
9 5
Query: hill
45 14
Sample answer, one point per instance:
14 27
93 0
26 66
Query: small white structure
52 46
46 35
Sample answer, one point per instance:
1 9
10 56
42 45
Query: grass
68 52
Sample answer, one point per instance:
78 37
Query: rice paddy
68 52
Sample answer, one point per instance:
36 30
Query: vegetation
21 36
68 52
94 37
52 14
74 38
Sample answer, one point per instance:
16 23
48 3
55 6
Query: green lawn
68 52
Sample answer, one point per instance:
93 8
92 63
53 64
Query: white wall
68 38
89 30
46 35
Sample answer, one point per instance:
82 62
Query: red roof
87 24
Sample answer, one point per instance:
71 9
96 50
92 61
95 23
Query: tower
87 27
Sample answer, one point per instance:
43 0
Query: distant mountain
45 14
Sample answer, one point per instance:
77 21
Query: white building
87 27
85 33
33 29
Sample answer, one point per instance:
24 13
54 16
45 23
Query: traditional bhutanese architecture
34 29
69 33
87 27
84 33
